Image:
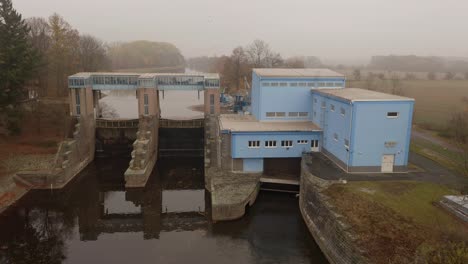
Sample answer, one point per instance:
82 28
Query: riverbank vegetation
400 222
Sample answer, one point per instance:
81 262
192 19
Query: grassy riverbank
398 221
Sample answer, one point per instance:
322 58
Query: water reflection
95 220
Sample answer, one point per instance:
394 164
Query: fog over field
336 31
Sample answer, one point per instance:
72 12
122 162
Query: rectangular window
212 99
315 114
283 84
321 84
270 114
315 100
274 84
254 143
324 104
329 84
343 111
146 107
270 144
302 84
303 142
335 137
286 143
280 114
293 114
311 84
265 84
338 84
346 143
293 84
303 114
332 108
78 102
392 114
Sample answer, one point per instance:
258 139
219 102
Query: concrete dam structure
91 133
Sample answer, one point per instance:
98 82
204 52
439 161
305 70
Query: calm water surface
95 220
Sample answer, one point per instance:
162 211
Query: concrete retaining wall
329 229
73 155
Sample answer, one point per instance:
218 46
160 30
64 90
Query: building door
314 145
387 163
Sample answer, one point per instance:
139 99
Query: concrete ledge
456 205
139 178
231 193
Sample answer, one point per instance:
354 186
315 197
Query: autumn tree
63 54
18 61
93 54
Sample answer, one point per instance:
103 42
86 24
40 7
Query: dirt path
416 133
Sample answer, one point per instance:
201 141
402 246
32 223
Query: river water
96 220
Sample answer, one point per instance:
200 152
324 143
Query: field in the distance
436 101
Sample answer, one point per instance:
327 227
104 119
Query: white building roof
248 123
145 75
357 95
288 73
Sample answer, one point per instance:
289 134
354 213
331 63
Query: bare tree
260 55
92 54
449 76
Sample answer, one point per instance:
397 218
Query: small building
309 110
363 130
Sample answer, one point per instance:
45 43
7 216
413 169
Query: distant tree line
237 66
414 63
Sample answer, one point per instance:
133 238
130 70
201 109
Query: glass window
270 144
280 114
254 143
283 84
303 142
270 114
332 108
335 137
302 84
346 143
293 84
303 114
293 114
392 114
274 84
343 111
311 84
286 143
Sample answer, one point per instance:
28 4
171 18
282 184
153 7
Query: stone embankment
73 155
144 154
334 236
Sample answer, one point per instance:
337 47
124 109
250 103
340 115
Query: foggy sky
347 30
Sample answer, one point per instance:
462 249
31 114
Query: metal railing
117 123
192 123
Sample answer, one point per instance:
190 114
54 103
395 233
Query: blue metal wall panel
284 98
333 122
240 143
373 129
253 165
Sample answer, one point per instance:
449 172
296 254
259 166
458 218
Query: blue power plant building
309 110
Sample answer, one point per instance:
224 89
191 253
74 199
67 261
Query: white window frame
303 114
332 107
270 114
286 143
270 144
280 114
343 111
346 143
253 143
335 137
392 117
293 114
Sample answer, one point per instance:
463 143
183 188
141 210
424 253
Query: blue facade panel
334 117
372 129
285 98
253 165
240 144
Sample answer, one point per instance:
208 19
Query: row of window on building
303 84
284 143
290 114
72 82
180 80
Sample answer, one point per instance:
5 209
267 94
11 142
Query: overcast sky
329 29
